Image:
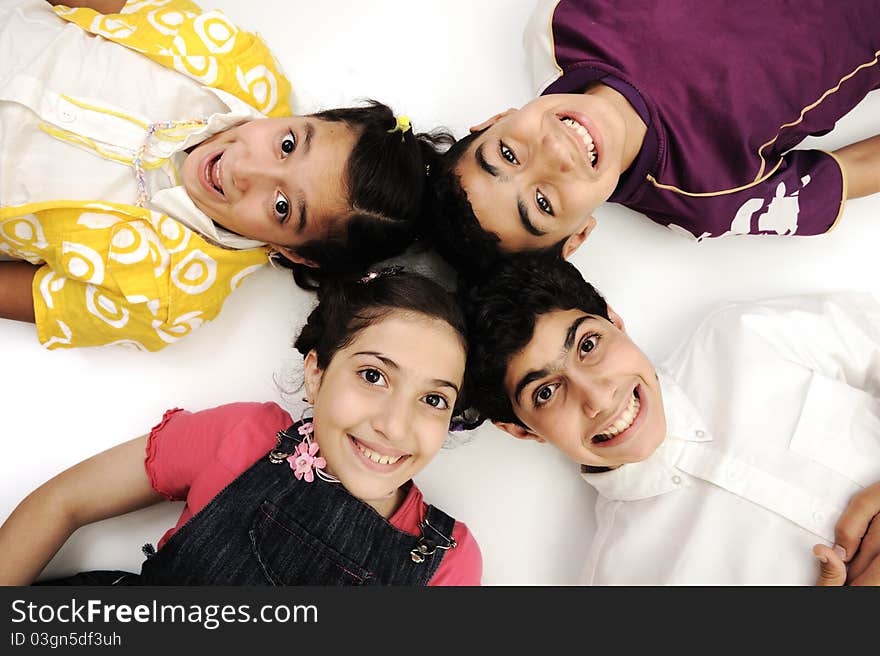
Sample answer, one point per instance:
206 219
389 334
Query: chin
648 444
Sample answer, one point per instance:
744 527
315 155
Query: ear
492 121
574 241
616 319
293 256
517 431
312 375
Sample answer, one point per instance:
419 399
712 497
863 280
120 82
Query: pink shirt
193 456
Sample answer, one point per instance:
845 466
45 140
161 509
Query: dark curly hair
386 180
452 227
347 306
501 311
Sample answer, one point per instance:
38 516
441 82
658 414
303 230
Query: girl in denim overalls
327 500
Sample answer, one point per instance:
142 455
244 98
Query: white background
450 63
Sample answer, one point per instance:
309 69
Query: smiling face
584 386
383 404
277 180
536 174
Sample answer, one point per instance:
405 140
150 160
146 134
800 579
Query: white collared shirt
773 423
60 85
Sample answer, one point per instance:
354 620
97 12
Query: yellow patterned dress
124 274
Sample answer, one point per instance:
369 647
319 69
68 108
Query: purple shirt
726 89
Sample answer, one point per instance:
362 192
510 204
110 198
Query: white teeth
377 457
215 176
584 135
624 421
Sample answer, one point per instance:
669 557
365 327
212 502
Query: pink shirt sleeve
462 565
203 451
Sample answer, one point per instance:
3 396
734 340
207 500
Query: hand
832 569
858 531
857 535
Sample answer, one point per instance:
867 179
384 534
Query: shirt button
67 116
818 516
676 479
700 433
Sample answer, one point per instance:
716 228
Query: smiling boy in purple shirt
684 111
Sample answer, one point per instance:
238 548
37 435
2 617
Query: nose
553 152
597 395
249 172
393 418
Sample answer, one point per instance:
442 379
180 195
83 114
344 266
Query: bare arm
101 6
106 485
16 297
861 165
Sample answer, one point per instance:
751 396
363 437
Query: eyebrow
393 365
303 211
530 227
483 162
521 208
301 200
307 140
537 374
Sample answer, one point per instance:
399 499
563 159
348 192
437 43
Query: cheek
337 407
432 437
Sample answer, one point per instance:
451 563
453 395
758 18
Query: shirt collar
658 473
175 202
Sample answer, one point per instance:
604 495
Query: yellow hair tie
402 125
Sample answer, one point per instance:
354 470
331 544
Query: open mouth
584 136
385 461
213 173
622 423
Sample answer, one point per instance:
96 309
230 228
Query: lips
375 458
211 174
585 135
624 424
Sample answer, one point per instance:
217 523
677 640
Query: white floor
451 63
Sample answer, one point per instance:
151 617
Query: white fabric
538 44
773 415
36 73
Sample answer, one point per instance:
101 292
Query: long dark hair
348 305
386 180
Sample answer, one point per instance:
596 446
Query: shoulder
205 46
251 424
789 327
464 564
804 309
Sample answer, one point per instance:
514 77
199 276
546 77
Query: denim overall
268 528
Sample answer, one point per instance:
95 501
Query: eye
288 143
436 401
507 153
543 203
544 393
589 343
372 376
281 207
